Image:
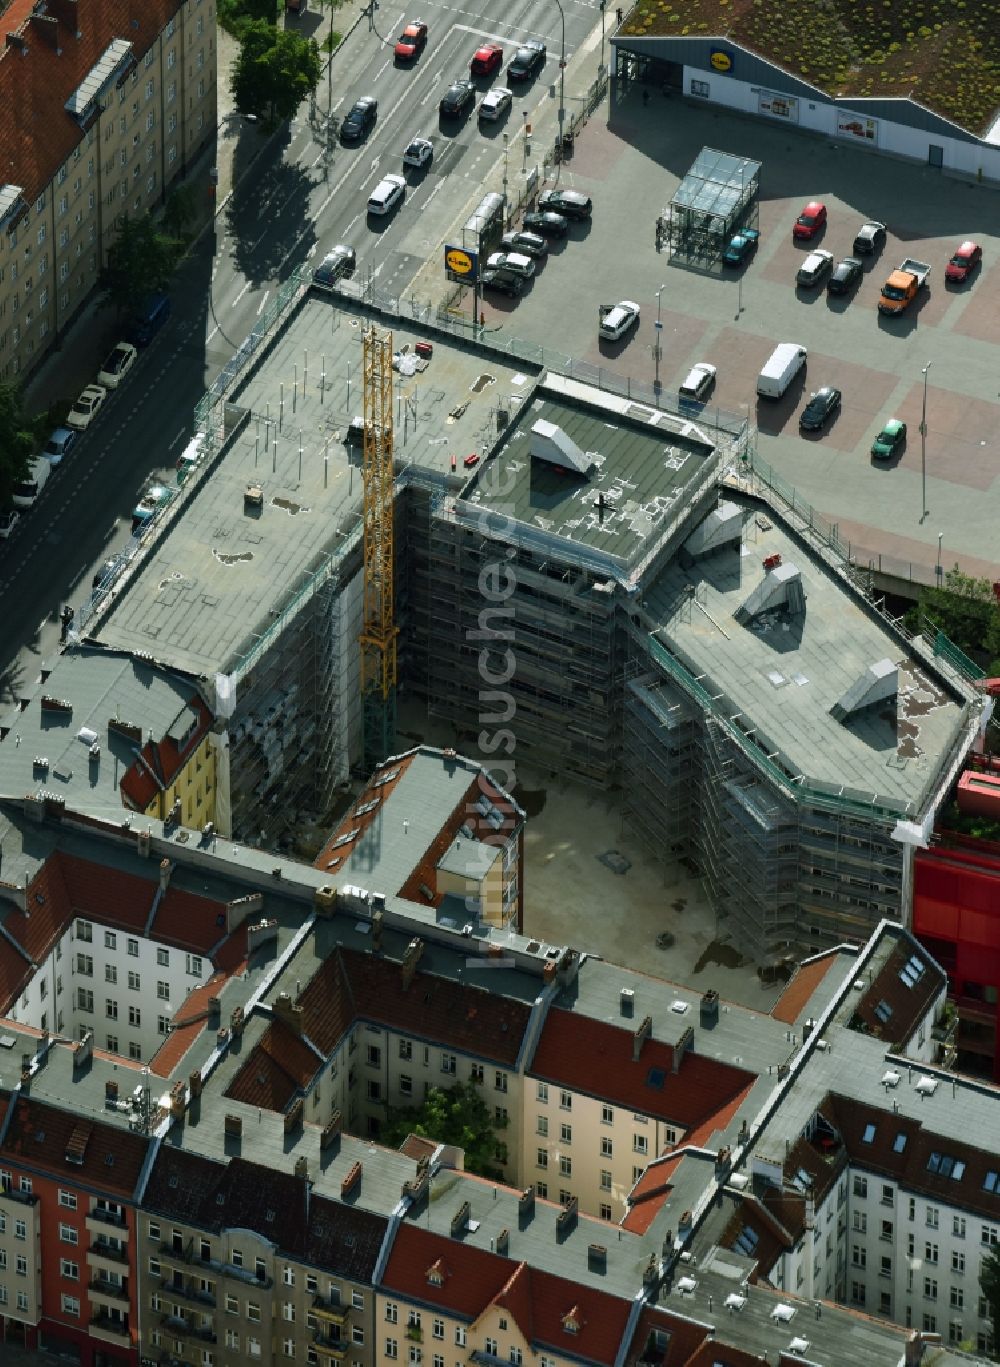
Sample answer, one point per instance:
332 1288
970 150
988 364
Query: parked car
820 409
419 153
360 119
963 263
814 267
617 319
809 221
108 572
59 444
698 383
527 61
548 224
503 283
903 286
569 203
148 318
870 239
891 439
486 59
149 505
26 490
530 244
411 41
511 262
496 105
87 407
334 266
846 275
740 246
389 192
457 100
117 365
9 518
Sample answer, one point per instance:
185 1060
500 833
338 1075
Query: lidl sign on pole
461 265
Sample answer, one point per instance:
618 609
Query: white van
784 363
27 490
386 195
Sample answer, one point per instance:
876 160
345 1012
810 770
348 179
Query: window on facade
84 931
542 1091
565 1101
132 946
163 957
134 1016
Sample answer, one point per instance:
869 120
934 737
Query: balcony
100 1251
414 1333
176 1324
99 1221
183 1254
333 1348
102 1288
111 1329
187 1290
331 1310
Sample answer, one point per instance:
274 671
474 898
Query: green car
891 439
741 245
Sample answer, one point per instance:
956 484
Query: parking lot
632 163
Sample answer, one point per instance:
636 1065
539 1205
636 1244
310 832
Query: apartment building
240 1263
68 1193
102 111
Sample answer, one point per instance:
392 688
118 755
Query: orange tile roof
575 1051
280 1066
474 1280
804 983
39 72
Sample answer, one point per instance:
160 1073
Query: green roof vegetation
943 53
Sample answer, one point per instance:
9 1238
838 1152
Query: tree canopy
18 439
456 1115
233 14
274 71
142 258
966 610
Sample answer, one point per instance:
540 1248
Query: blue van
148 319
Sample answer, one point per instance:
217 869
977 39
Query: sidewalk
70 365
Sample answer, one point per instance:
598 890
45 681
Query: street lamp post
524 163
600 68
657 349
506 141
562 82
923 449
938 569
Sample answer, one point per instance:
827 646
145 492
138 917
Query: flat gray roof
467 857
99 686
645 464
217 574
782 674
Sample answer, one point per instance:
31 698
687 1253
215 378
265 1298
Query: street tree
989 1285
456 1115
274 72
180 212
142 258
965 608
234 14
18 439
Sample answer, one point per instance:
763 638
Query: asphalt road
303 195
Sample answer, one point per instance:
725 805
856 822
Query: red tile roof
165 758
332 855
39 1135
189 920
108 895
683 1338
279 1067
186 1025
15 971
47 913
796 995
474 1280
464 813
907 1002
39 73
594 1058
715 1354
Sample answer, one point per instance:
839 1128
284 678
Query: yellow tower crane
378 635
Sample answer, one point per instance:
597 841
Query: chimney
526 1204
331 1130
352 1180
413 955
597 1258
233 1126
288 1014
567 1217
709 1007
165 870
195 1083
503 1243
626 1001
143 840
378 920
302 1166
325 900
293 1117
460 1220
650 1273
685 1043
807 1028
640 1037
236 1022
84 1051
177 1097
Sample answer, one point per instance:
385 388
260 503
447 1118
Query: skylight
913 970
747 1242
899 1143
991 1182
869 1135
946 1166
883 1011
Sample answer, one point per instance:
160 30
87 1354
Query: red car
964 262
809 221
486 60
470 461
412 41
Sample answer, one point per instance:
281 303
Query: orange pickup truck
903 286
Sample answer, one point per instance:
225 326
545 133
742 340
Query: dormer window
571 1321
436 1274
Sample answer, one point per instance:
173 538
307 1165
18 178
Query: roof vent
875 685
550 443
781 587
890 1078
927 1086
783 1313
